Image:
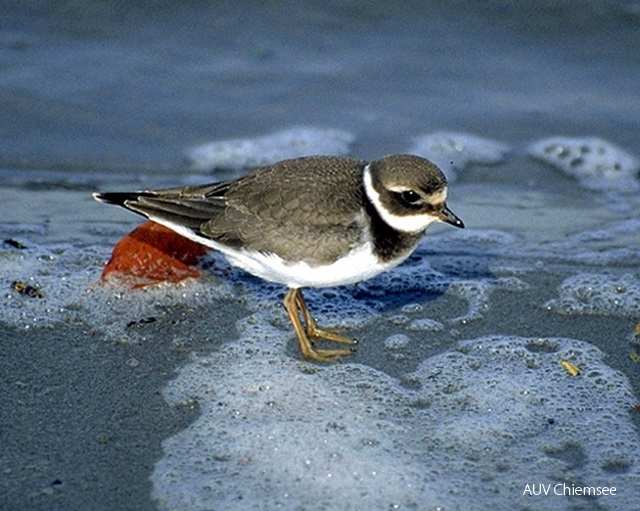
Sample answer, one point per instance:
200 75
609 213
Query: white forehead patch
414 223
438 197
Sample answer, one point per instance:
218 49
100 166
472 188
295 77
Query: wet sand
82 420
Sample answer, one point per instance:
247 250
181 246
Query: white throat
413 224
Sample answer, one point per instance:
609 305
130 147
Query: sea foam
244 153
465 430
597 164
598 293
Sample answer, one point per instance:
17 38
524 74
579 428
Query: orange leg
313 330
294 304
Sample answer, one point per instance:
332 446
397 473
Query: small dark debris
617 466
334 426
105 438
143 321
15 244
576 162
25 289
420 403
450 389
307 369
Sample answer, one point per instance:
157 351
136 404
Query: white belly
359 264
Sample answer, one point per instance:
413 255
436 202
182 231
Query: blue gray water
457 397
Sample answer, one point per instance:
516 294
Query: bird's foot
328 334
324 355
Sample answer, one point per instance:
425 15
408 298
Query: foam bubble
397 342
477 424
453 152
596 163
595 293
243 153
426 325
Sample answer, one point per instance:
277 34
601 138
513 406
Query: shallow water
457 397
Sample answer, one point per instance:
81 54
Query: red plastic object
152 254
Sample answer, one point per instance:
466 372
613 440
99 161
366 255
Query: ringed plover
315 221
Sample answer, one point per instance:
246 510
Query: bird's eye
409 197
